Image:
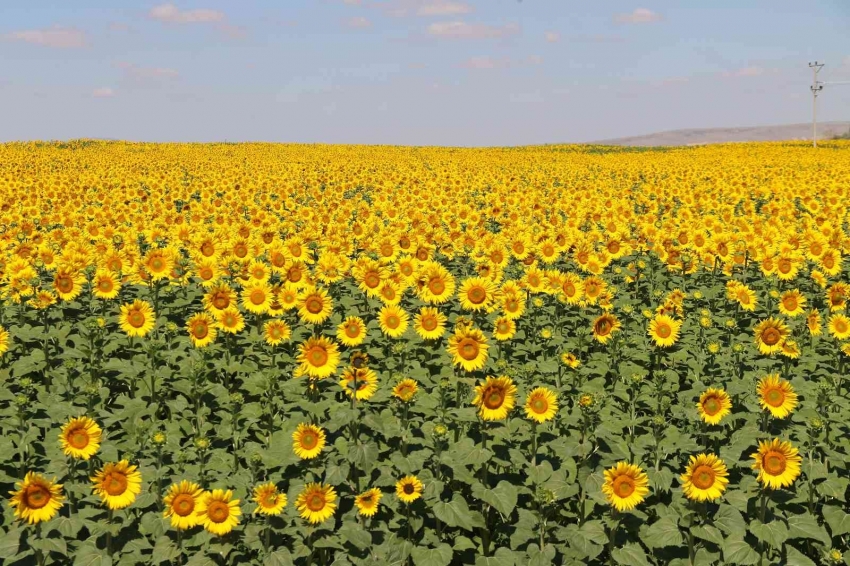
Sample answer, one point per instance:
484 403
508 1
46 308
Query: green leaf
806 526
502 557
664 532
739 552
631 554
356 535
794 557
9 543
709 533
838 520
537 557
834 487
456 513
503 497
774 533
164 550
440 556
90 555
279 558
729 520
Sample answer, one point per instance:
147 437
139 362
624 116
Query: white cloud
358 22
443 8
170 13
103 92
639 16
60 37
553 36
462 30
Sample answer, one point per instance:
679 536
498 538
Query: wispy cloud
638 16
422 8
553 36
443 8
59 37
463 30
103 92
358 22
171 14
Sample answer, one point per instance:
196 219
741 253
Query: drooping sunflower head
218 512
495 398
541 405
625 486
777 463
359 360
363 380
776 395
408 489
308 441
318 357
713 405
316 503
368 501
406 389
181 504
117 484
269 500
36 499
80 438
705 478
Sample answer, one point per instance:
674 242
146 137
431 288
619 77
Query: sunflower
389 292
218 512
276 331
468 346
318 357
351 331
813 322
36 499
769 335
405 389
792 303
436 285
776 395
408 489
117 484
269 500
308 441
367 502
713 405
367 382
4 341
219 298
778 463
207 271
314 305
393 320
541 405
137 318
513 305
476 294
429 323
359 359
68 283
230 320
159 262
316 503
257 297
201 328
504 328
664 330
705 478
570 360
625 486
495 398
105 285
181 503
839 326
605 326
80 438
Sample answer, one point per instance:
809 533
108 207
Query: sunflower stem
612 535
268 536
762 514
39 555
109 532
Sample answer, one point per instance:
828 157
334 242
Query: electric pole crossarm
816 88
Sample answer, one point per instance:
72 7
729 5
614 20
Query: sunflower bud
440 430
159 438
202 443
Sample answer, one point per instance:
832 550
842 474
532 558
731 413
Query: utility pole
816 88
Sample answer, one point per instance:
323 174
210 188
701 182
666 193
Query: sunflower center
603 327
775 398
372 280
393 321
316 502
386 250
569 289
468 349
229 320
79 439
771 336
295 274
773 463
437 286
408 488
703 477
624 486
518 247
157 265
278 259
104 285
591 289
309 440
503 327
784 265
240 250
200 330
711 406
258 297
429 323
388 293
206 273
269 499
64 283
663 330
295 250
36 496
613 246
218 511
352 330
477 295
207 249
314 305
840 326
539 406
183 504
318 356
221 301
115 483
494 398
790 303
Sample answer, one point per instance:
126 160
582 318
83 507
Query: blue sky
444 72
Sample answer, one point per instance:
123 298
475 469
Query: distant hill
697 136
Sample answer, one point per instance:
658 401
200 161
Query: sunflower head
713 405
705 478
36 499
80 438
269 500
541 405
495 398
777 463
408 489
117 484
368 501
316 503
625 486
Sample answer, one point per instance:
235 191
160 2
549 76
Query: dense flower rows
270 354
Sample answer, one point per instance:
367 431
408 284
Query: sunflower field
265 354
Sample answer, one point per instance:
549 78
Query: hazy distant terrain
721 135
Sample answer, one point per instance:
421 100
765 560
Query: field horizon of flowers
279 354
